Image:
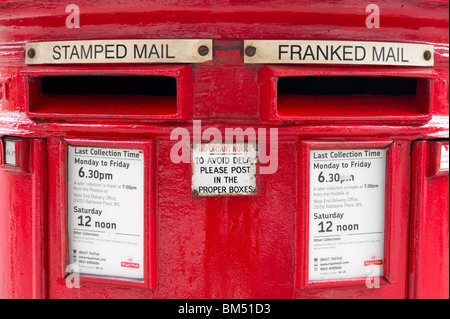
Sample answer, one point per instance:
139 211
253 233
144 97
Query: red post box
282 150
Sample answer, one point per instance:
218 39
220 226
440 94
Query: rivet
250 50
427 55
31 53
203 50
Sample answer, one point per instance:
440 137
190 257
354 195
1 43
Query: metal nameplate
338 52
11 152
119 51
444 161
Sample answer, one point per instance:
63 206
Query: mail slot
164 93
53 90
351 96
276 150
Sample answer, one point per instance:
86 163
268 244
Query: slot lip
183 98
269 108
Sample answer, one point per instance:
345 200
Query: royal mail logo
373 262
127 264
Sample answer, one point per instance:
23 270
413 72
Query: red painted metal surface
429 250
23 229
221 247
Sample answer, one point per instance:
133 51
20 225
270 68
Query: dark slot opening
88 96
368 98
109 85
347 85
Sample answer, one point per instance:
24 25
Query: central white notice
347 213
224 169
106 211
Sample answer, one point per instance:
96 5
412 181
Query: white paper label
10 153
444 158
224 169
106 211
347 210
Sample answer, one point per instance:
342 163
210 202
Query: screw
427 55
203 50
31 53
250 50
